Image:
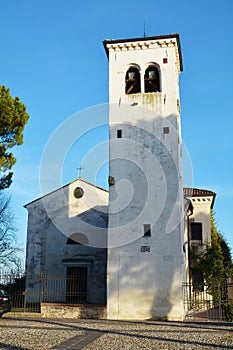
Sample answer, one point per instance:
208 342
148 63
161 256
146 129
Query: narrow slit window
119 134
147 230
152 79
132 81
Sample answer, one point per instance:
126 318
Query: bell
151 74
131 75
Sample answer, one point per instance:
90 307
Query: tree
13 118
215 262
9 248
216 266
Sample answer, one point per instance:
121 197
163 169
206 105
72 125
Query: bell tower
145 233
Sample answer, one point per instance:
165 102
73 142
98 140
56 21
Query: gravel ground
44 334
165 335
25 334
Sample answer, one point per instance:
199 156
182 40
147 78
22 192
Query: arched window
152 79
77 238
132 81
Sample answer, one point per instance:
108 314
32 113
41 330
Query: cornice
146 43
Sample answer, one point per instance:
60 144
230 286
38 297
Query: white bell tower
145 234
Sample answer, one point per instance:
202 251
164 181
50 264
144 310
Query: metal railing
27 293
204 303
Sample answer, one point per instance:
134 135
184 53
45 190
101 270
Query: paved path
79 342
21 333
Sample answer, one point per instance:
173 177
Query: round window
78 192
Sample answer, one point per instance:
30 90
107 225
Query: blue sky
52 57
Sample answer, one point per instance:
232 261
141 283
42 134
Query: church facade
135 238
66 243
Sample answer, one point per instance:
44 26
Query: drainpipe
189 249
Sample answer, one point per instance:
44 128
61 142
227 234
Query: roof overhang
197 192
158 38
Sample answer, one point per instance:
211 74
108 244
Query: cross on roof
79 171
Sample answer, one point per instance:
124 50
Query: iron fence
27 293
205 303
79 289
15 286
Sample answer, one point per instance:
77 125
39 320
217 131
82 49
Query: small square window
166 130
165 60
119 134
147 230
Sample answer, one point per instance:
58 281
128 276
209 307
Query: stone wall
73 311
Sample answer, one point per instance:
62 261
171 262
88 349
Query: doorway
76 285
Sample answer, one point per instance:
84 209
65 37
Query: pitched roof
57 189
197 192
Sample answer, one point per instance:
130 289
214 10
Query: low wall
74 311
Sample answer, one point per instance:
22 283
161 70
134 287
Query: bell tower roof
145 43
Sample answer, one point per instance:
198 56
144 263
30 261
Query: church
125 249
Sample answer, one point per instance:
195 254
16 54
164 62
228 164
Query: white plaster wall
146 166
120 61
201 213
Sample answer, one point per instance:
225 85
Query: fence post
219 302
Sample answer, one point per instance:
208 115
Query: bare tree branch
9 249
